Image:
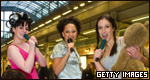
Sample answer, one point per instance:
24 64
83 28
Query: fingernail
127 52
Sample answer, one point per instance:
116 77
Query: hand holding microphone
101 47
69 41
27 37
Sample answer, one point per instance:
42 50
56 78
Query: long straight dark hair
112 21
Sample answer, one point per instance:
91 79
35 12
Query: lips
105 36
72 38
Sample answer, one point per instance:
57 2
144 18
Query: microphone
101 47
69 41
27 37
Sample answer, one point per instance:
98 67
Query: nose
70 34
104 30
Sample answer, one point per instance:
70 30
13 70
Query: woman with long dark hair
105 28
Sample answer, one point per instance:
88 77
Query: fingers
138 48
98 53
129 53
134 52
131 50
33 38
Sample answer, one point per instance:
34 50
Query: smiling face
70 31
105 29
20 30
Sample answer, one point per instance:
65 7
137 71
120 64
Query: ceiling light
82 4
35 28
89 32
41 45
75 8
67 12
51 45
31 30
3 45
140 18
83 38
56 17
89 1
58 40
122 30
48 21
41 25
9 42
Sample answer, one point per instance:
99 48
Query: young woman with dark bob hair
22 55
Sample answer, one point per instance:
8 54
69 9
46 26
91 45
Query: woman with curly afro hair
64 55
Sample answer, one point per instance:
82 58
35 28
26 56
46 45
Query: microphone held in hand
27 37
101 47
69 41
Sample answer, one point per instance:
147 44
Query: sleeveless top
33 74
72 68
109 61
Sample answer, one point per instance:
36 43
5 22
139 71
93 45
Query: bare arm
16 57
59 63
98 65
41 59
134 52
145 61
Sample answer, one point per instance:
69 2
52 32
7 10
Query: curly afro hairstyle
62 23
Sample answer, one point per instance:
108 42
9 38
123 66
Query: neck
17 41
110 42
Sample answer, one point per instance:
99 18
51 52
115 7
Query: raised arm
98 64
59 63
41 60
25 65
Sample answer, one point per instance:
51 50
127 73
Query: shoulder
12 49
59 45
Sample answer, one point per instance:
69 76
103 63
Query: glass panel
28 10
7 13
5 27
5 34
1 15
45 11
22 7
13 2
2 26
3 3
1 34
38 15
10 34
8 25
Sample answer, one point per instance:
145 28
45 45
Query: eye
99 27
21 27
107 26
67 31
73 31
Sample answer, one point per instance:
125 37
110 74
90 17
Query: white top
72 68
109 61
